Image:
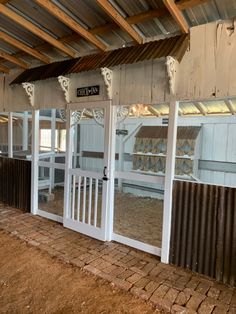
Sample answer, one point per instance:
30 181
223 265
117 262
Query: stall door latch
105 178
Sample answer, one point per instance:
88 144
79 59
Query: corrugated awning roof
174 46
190 132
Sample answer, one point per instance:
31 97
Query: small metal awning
173 46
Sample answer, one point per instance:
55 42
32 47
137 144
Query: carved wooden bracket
108 79
29 89
172 70
64 83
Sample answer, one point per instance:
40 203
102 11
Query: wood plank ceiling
43 31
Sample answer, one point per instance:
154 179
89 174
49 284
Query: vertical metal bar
10 135
78 198
90 199
95 203
73 197
34 163
169 177
84 200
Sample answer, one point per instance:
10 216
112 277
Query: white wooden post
68 164
53 146
110 140
25 131
121 159
10 135
34 162
75 145
169 177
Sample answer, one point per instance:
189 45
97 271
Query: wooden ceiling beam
230 106
177 15
35 30
139 18
153 111
67 20
186 4
13 59
201 108
4 69
18 44
118 19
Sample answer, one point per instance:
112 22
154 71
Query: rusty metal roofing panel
148 51
203 233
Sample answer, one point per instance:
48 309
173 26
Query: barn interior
114 103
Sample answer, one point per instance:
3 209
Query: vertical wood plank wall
203 236
15 183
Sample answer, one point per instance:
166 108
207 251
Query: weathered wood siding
15 183
203 235
208 68
144 83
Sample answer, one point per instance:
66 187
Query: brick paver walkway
169 288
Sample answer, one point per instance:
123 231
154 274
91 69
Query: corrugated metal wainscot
203 236
15 183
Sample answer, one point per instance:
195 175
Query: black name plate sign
121 132
88 91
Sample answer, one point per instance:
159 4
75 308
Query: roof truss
230 106
67 20
185 4
36 30
18 44
118 19
13 59
177 15
90 35
4 69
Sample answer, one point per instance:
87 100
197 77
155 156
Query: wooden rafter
230 106
186 4
177 15
153 111
135 19
67 20
4 69
200 107
118 19
180 112
36 30
16 43
13 59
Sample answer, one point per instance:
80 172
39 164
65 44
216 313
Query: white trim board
137 244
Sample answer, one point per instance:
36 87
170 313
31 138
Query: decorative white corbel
64 83
29 89
172 68
108 79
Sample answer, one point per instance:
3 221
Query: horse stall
148 163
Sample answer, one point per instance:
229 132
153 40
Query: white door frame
105 232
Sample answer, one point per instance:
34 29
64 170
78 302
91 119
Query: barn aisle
164 286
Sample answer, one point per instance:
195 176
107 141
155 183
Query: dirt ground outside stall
33 282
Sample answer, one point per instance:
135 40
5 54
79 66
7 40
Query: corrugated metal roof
190 132
175 46
90 15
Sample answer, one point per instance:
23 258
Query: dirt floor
33 282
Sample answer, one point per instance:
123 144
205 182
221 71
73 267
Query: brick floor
169 288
